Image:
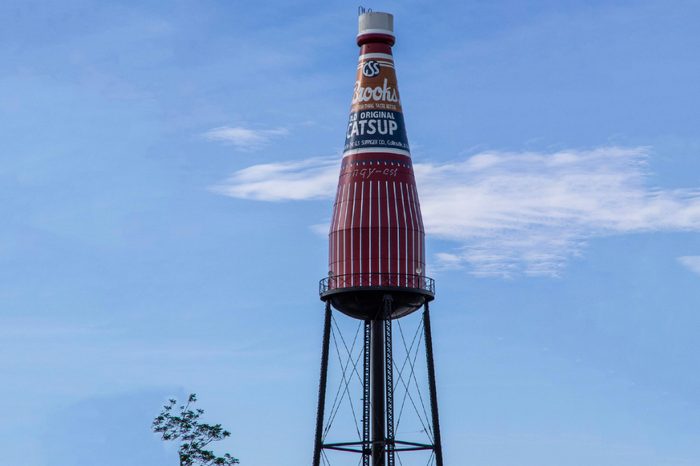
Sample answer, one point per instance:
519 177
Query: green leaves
194 436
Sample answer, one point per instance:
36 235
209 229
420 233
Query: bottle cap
376 24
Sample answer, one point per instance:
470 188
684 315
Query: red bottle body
376 236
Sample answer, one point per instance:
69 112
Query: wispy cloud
691 262
510 213
312 178
530 213
244 138
320 229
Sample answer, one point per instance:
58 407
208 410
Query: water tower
377 250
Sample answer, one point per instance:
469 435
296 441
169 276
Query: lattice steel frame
388 444
389 379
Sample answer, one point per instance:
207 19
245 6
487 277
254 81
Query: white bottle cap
376 23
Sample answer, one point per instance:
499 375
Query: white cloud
510 213
530 213
691 262
321 229
313 178
244 138
448 260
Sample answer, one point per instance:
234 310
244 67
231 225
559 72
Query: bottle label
376 118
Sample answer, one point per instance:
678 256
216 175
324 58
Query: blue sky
166 173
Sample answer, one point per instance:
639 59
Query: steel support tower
379 444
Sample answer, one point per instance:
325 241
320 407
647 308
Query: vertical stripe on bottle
352 236
370 257
398 241
413 229
405 229
361 232
336 248
331 233
336 256
345 239
420 227
416 235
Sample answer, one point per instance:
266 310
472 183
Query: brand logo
384 93
370 68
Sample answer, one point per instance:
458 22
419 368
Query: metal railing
364 280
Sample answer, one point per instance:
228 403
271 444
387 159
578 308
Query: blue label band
376 129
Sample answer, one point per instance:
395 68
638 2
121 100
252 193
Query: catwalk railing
379 280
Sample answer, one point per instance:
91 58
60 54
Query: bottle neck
376 38
376 124
375 47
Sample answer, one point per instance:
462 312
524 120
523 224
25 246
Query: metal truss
378 448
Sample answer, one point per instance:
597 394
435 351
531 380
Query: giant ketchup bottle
377 239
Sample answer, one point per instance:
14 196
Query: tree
193 435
